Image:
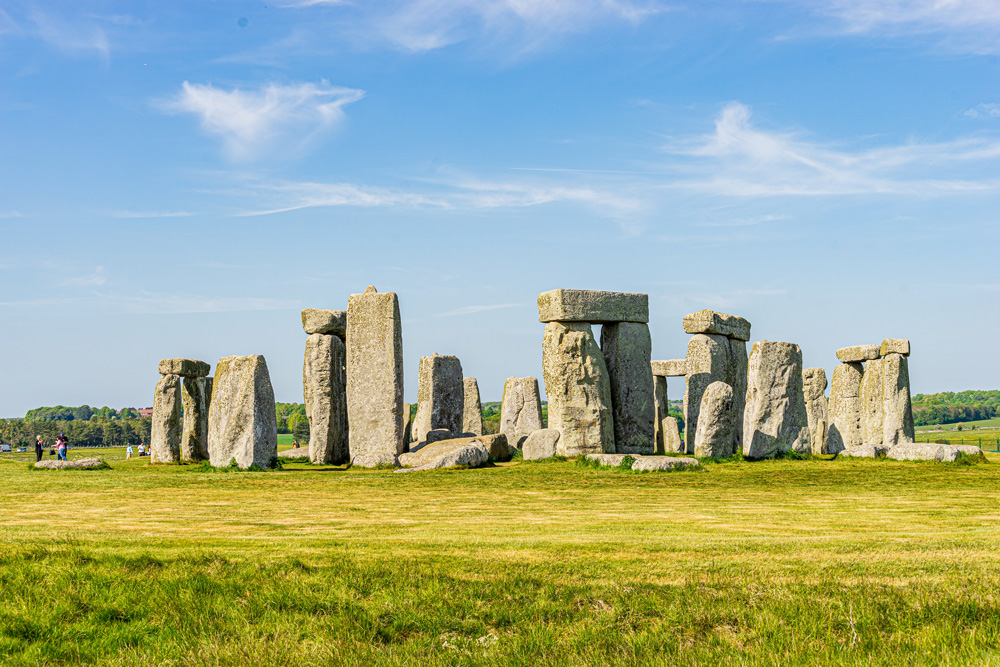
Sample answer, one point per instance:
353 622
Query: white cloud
69 35
10 214
128 215
250 122
95 279
985 110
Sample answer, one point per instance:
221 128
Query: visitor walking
142 449
128 451
61 447
39 446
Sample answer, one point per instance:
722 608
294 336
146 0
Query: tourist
128 451
142 449
39 446
295 444
61 447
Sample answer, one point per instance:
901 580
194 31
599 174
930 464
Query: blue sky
180 179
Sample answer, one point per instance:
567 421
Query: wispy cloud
73 35
250 122
470 310
127 215
95 279
985 110
10 214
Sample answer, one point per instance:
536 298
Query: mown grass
769 563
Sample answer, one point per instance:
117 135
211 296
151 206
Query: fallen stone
591 306
79 464
913 451
496 444
472 414
578 389
716 423
672 443
626 347
864 451
187 368
858 353
775 420
541 444
376 460
895 346
871 401
468 452
196 396
661 406
669 368
439 434
613 460
295 453
844 409
707 361
969 450
710 322
165 430
520 409
440 396
656 463
327 322
897 411
814 390
242 425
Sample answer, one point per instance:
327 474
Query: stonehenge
627 348
472 413
814 390
183 385
844 412
324 384
717 421
520 409
196 396
165 431
242 425
666 430
775 418
440 396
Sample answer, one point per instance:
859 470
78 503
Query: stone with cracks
661 406
710 322
858 353
324 385
241 420
672 443
897 412
707 361
294 453
864 451
736 377
626 347
913 451
472 415
407 425
664 463
187 368
542 444
775 420
520 409
327 322
814 389
872 404
669 368
375 460
612 460
578 389
716 423
844 412
467 452
440 396
196 396
79 464
591 306
374 377
895 346
165 431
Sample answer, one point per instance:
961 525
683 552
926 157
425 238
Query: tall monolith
472 415
897 411
627 348
707 361
520 409
716 422
871 401
165 433
324 384
775 418
440 396
242 425
844 410
196 396
814 391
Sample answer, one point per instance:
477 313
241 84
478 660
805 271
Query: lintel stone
858 353
710 322
669 368
186 368
895 346
329 322
576 305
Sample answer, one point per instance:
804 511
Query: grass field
770 563
981 423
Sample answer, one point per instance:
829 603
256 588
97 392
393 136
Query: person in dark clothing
39 446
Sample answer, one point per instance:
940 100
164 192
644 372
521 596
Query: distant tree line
951 407
82 413
80 433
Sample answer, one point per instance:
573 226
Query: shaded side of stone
627 347
195 397
472 415
897 411
324 380
814 389
872 403
661 406
165 431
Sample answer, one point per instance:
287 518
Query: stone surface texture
895 346
407 425
669 368
468 452
440 396
922 452
80 464
472 414
627 347
897 411
844 413
188 368
578 389
716 422
324 389
375 460
775 420
814 390
196 396
661 406
710 322
672 443
374 376
574 305
864 451
613 460
520 409
664 463
296 453
858 353
327 322
871 401
542 444
165 432
707 361
736 377
241 420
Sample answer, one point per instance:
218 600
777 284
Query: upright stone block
710 322
716 423
661 406
736 377
472 415
375 377
871 400
329 322
814 389
897 412
242 425
407 426
165 435
324 389
188 368
707 361
440 396
196 396
578 389
578 305
672 436
520 409
844 412
627 347
775 419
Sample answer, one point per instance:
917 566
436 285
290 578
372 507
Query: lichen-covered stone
775 419
612 460
716 422
895 346
871 400
520 409
327 322
578 389
242 425
661 406
374 376
864 451
858 353
897 411
736 377
672 443
669 368
472 414
664 463
294 453
626 347
165 431
576 305
844 411
541 444
707 361
440 396
710 322
814 389
375 460
196 396
187 368
324 389
468 452
912 451
79 464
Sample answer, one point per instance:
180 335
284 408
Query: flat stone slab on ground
864 451
895 345
376 460
669 368
608 459
653 463
581 305
329 322
857 353
710 322
80 464
469 452
186 368
969 450
297 452
913 451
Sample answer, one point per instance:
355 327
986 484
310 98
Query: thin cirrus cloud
985 110
251 123
95 279
74 34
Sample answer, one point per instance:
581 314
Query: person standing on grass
128 451
61 447
39 446
142 449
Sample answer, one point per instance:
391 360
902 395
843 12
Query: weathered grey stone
736 377
626 347
672 443
295 453
669 368
242 425
472 415
196 396
775 419
578 389
440 396
79 464
858 353
814 390
658 463
897 412
496 444
440 434
578 305
969 450
165 432
324 388
871 400
707 362
844 413
327 322
407 425
710 322
912 451
520 409
541 444
374 376
187 368
375 460
716 422
864 451
613 460
661 406
895 346
469 452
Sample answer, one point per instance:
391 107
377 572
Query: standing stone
814 389
407 425
324 381
520 409
672 436
165 435
871 401
242 425
661 406
716 422
196 396
578 389
440 396
736 377
897 412
844 412
472 415
374 378
775 419
627 348
707 361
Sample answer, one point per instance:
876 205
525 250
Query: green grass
771 563
981 423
